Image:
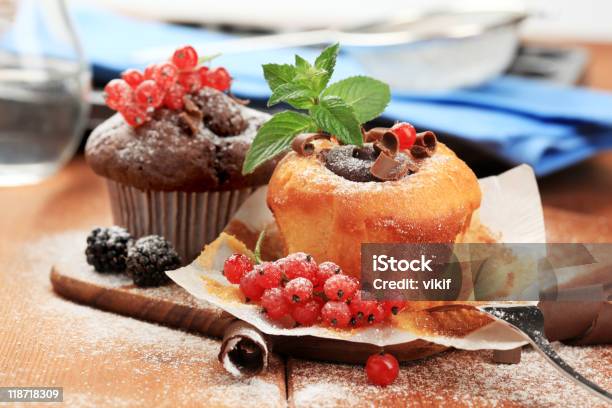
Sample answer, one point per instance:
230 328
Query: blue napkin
521 121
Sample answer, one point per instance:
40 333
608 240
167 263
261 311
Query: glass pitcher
44 86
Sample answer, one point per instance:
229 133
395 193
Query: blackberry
149 258
107 249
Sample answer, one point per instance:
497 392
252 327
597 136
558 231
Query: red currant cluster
298 288
406 134
137 94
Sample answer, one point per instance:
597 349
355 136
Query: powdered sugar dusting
114 360
144 149
457 378
126 362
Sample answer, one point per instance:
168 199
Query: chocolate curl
388 143
190 106
238 100
424 145
244 351
302 144
190 119
374 134
388 168
383 139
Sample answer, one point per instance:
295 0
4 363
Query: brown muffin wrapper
188 220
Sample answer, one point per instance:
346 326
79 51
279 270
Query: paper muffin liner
188 220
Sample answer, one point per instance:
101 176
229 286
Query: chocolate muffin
179 174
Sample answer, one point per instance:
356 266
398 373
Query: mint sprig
338 109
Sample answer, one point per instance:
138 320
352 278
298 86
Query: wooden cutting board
172 306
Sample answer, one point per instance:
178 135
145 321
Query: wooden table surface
44 342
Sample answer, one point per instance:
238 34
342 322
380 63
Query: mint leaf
274 137
335 116
301 64
308 75
367 96
327 62
294 93
278 74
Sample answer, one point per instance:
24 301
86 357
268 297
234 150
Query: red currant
336 314
165 74
299 265
236 266
319 300
325 271
306 314
298 290
269 275
249 287
174 97
185 58
340 287
203 72
382 369
274 303
190 81
377 315
134 115
219 79
133 77
393 307
406 134
118 94
148 94
361 309
149 71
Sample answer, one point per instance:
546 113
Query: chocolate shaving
374 134
388 163
388 143
238 100
190 106
388 168
424 145
191 118
189 123
302 144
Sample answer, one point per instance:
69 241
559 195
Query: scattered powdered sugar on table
138 359
125 361
457 378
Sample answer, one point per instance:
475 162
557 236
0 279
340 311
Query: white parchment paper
510 208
